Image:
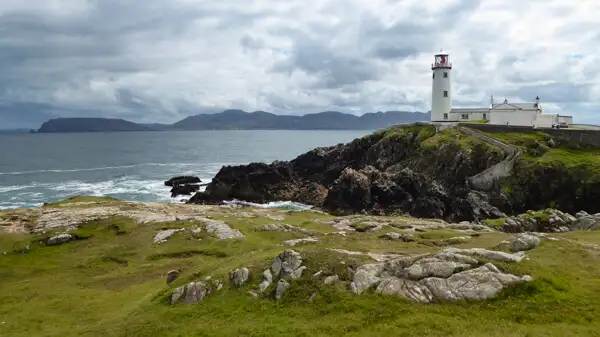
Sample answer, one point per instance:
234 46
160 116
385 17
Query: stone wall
489 178
576 138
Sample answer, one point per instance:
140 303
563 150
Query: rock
182 180
489 254
172 276
434 267
366 276
286 263
253 294
267 280
480 283
162 236
404 237
412 290
331 279
275 217
184 190
469 226
239 276
191 293
282 287
586 222
222 230
458 240
294 242
581 214
523 242
312 298
282 228
60 239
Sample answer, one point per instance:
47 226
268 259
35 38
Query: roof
513 106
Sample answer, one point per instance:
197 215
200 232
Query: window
464 116
433 75
445 116
445 74
484 116
445 93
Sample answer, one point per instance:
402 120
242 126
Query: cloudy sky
162 60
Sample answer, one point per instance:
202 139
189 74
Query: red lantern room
441 62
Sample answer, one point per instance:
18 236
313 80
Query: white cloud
160 60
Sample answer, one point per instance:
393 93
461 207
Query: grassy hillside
112 283
552 173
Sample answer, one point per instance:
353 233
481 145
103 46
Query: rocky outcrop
449 275
164 235
195 292
222 230
287 265
388 172
239 277
549 220
182 180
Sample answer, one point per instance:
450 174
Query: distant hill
90 125
328 120
241 120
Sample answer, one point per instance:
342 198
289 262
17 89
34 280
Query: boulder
282 287
523 242
184 190
172 276
239 277
60 239
288 263
444 276
182 180
164 235
195 292
222 230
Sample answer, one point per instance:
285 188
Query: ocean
38 168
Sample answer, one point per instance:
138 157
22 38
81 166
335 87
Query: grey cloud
163 60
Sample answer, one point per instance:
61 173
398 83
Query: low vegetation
112 283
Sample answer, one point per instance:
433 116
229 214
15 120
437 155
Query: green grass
495 223
113 284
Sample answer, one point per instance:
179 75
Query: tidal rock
178 190
523 242
182 180
162 236
282 287
239 276
222 230
60 239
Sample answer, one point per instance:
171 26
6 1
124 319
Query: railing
441 65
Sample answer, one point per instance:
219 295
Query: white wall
440 104
513 117
565 119
474 115
545 121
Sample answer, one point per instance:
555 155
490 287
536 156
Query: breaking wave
286 205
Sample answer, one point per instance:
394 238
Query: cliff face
400 170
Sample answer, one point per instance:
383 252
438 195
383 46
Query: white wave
288 205
11 188
206 165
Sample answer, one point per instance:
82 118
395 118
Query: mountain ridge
234 119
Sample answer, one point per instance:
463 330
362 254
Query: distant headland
242 120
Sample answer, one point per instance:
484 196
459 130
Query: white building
520 114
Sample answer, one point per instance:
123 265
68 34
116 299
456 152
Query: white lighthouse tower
441 93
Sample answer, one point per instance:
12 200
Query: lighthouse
441 94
